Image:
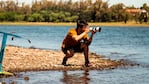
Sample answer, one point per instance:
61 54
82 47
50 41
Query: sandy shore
19 59
74 24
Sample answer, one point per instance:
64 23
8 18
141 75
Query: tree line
66 11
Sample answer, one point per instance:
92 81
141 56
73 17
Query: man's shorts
75 48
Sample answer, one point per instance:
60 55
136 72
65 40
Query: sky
135 3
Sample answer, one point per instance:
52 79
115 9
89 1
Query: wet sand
18 59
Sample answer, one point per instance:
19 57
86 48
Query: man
77 40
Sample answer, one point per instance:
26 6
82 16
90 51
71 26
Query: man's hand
91 37
87 30
93 32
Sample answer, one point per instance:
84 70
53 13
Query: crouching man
77 40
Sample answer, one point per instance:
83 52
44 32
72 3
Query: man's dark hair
81 23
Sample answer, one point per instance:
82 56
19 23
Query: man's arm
89 41
78 37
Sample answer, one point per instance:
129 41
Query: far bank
74 24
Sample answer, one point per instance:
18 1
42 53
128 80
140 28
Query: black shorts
76 48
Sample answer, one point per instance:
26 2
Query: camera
95 29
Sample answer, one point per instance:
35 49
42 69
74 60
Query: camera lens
95 29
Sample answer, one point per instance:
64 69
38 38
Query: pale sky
136 3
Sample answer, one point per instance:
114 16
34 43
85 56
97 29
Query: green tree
118 11
145 6
68 11
19 17
36 17
105 17
36 7
10 16
2 17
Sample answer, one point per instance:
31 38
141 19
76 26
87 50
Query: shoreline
73 24
18 59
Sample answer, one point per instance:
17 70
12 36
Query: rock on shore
17 59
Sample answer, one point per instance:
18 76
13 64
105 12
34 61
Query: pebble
26 78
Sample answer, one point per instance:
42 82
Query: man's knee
84 46
69 53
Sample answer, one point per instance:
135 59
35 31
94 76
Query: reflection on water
49 77
74 78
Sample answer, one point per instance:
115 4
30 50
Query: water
129 43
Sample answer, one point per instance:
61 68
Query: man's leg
69 53
64 60
85 51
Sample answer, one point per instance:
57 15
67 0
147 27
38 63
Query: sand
131 23
18 59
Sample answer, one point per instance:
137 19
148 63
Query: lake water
129 43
